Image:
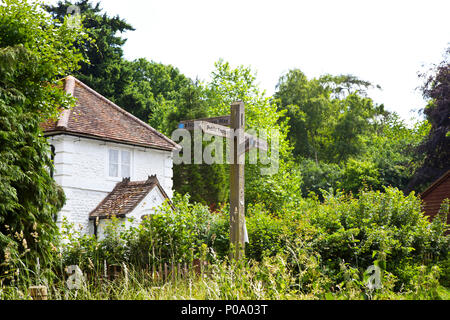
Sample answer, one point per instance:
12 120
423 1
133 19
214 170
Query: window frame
119 163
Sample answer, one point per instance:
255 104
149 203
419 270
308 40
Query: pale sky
384 42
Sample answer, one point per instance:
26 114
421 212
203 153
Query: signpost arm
237 213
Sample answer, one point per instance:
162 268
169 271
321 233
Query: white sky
384 42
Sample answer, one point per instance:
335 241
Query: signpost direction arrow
215 129
212 128
218 126
189 124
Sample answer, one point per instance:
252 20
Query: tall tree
436 146
282 185
105 69
327 116
307 104
34 54
157 90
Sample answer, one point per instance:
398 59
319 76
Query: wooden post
237 180
38 292
240 143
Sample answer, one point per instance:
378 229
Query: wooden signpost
242 142
189 124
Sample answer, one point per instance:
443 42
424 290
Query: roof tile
95 116
125 196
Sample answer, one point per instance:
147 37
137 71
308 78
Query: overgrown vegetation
334 208
317 251
34 54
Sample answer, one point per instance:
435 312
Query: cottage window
119 163
125 164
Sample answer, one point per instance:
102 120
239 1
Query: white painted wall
81 169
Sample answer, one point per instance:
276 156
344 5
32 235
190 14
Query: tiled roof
96 117
125 196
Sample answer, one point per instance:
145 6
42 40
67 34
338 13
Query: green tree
34 54
307 106
351 125
392 149
318 176
436 146
353 141
166 95
328 116
105 70
230 84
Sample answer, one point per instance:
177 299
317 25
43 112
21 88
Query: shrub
265 233
324 246
172 235
385 226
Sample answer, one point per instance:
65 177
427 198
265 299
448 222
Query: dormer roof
125 196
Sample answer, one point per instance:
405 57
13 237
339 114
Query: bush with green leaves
266 233
378 226
357 175
318 176
34 55
326 246
171 235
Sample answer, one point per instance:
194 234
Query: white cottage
107 161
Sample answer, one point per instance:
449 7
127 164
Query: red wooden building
435 194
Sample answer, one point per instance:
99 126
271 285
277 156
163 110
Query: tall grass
320 251
266 280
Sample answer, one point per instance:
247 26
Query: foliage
305 103
34 53
353 142
274 189
265 280
327 116
264 232
318 176
160 95
391 150
318 251
324 246
436 146
104 68
387 225
169 236
173 236
357 174
388 160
